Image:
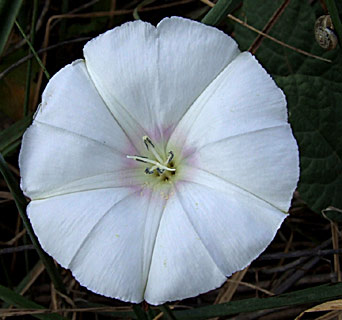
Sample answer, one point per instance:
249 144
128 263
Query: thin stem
211 4
167 312
33 51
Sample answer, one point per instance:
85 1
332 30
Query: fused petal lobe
164 69
73 136
243 98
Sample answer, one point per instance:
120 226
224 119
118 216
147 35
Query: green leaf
10 137
8 12
19 301
294 27
315 112
21 203
311 295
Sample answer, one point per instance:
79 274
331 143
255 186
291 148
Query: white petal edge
52 158
234 227
153 65
105 238
264 163
70 96
55 146
181 266
243 98
63 222
120 248
206 234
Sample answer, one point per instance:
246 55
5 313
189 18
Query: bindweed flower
161 163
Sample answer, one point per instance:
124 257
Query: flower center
158 164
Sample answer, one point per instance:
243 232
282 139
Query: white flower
161 163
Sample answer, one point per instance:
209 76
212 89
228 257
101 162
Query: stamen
138 158
160 171
146 160
149 171
170 157
148 142
158 165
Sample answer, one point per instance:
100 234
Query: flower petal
62 223
71 102
106 238
264 163
181 265
233 226
59 149
115 258
191 55
243 98
209 230
146 75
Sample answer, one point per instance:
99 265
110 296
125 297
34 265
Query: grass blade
29 63
33 50
8 13
310 295
217 13
11 136
140 314
19 301
21 203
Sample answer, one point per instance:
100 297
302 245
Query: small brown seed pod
324 33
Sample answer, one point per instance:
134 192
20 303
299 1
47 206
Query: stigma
157 164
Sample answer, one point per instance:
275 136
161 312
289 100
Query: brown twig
269 25
237 20
16 249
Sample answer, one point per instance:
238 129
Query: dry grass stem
211 4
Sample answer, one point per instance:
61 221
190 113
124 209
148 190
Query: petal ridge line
201 93
285 124
56 194
237 187
110 111
78 135
154 243
95 225
178 193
